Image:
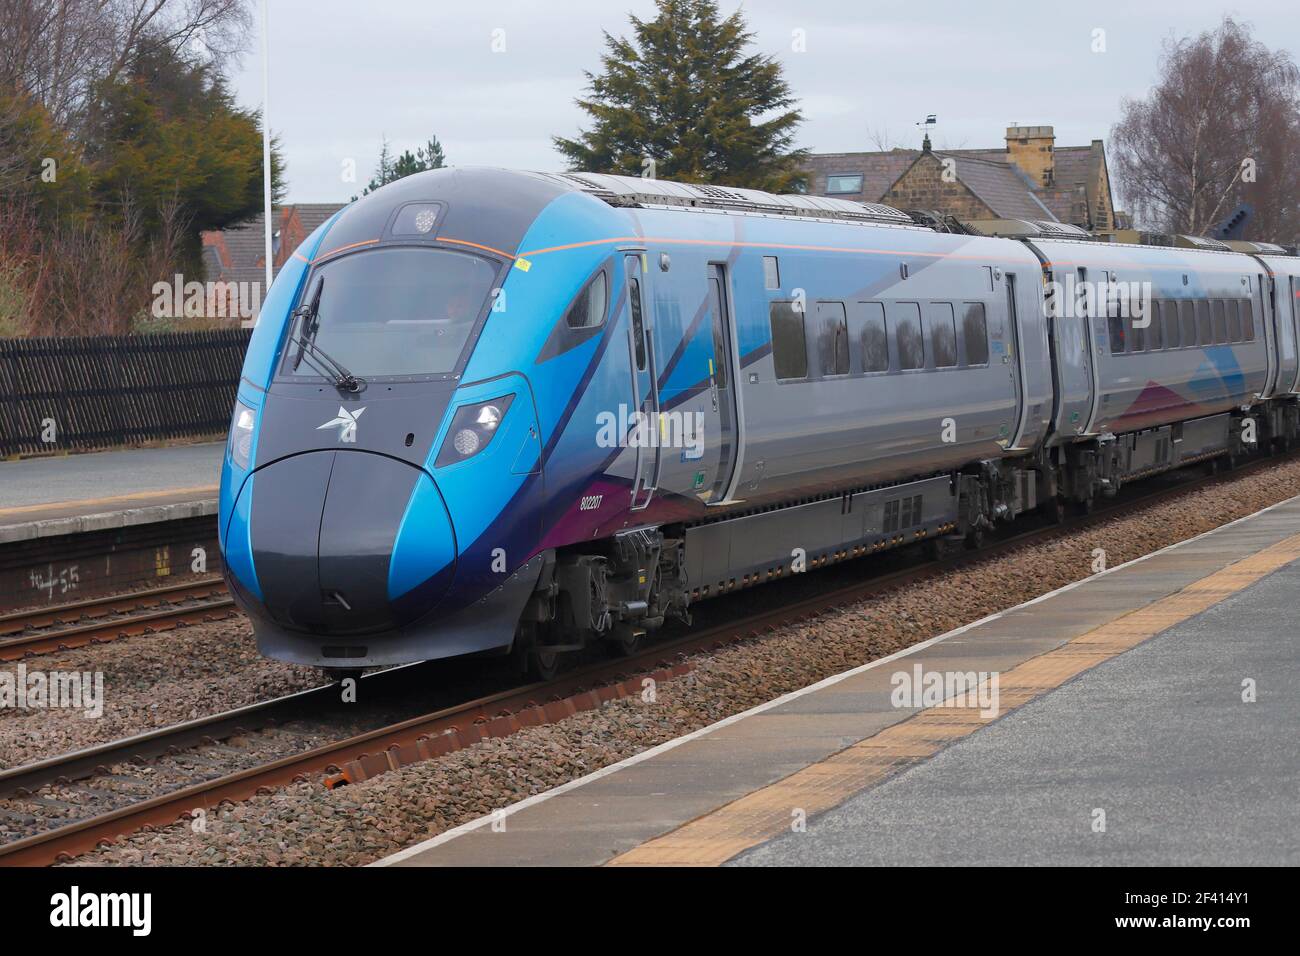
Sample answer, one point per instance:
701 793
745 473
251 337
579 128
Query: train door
1291 313
645 391
1091 311
1014 360
1273 334
722 384
1072 367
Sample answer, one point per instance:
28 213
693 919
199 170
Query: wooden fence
65 393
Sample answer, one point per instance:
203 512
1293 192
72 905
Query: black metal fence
65 393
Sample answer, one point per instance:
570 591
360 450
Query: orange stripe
351 245
368 242
647 240
476 245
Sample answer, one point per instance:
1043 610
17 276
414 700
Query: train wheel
625 641
543 664
1055 510
532 658
975 539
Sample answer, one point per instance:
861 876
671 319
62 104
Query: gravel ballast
148 682
306 824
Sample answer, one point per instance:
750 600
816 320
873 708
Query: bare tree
59 51
1220 127
880 138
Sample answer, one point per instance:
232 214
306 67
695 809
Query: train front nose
349 542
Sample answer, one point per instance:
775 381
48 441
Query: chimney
1030 148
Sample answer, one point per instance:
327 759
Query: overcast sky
345 74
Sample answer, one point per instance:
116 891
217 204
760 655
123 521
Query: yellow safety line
716 837
134 496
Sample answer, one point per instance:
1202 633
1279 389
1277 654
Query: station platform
98 491
1146 715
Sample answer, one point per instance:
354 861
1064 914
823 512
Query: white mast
266 140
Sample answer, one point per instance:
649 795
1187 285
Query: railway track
350 758
97 621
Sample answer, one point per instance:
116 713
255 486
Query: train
499 412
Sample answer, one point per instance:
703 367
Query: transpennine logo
346 423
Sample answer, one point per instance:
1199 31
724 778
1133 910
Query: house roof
313 214
238 253
999 185
879 170
989 174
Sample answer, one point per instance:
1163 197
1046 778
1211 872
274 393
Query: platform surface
40 497
1121 693
1158 738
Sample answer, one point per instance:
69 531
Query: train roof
492 209
657 193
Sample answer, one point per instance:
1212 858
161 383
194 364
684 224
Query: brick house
1030 178
238 254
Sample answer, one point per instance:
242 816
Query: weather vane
928 124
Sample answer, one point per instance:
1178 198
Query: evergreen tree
170 132
389 170
686 95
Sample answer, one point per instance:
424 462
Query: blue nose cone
349 542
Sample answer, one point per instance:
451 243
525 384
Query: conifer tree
686 96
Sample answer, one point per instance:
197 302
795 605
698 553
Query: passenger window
719 367
1117 337
1248 320
1188 322
873 340
638 330
588 309
1136 334
1234 321
771 273
1204 331
1169 318
1220 323
906 320
943 334
1155 328
833 338
789 344
975 333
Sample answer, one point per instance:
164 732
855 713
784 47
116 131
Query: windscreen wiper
324 363
309 317
320 360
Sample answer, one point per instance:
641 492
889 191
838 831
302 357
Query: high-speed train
487 410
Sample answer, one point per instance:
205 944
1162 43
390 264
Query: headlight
471 430
241 434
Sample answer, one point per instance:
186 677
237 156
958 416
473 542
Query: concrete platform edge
104 521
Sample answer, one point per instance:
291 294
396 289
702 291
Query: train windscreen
397 313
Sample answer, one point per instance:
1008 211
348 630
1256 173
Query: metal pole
266 140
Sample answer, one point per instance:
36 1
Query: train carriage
486 410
